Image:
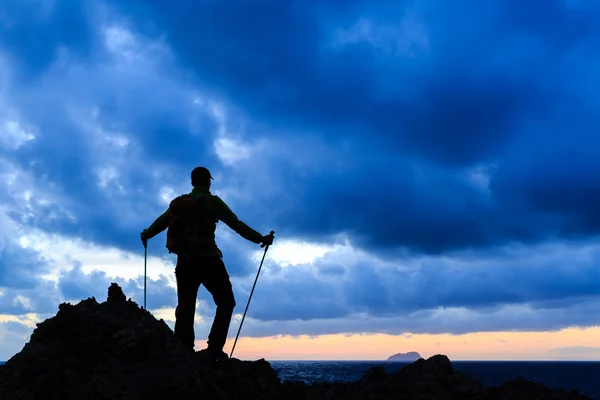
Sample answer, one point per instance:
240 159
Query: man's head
201 177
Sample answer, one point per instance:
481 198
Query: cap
200 174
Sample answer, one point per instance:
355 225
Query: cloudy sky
430 168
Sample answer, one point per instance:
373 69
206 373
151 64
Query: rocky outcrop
409 357
116 350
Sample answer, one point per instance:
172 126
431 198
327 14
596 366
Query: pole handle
272 234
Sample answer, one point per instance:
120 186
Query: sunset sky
431 168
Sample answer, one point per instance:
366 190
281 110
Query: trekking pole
249 298
145 258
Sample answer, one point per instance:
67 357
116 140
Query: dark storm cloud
416 117
486 90
34 31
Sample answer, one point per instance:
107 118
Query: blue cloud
33 32
482 286
467 97
448 114
19 268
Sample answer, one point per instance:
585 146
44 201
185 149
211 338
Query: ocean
583 376
580 375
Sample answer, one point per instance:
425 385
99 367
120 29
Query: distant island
411 356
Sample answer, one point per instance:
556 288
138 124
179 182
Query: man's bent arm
225 214
158 226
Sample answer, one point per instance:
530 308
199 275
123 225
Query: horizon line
410 362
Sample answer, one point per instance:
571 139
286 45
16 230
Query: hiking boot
212 355
220 355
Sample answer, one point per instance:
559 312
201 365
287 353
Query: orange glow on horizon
577 344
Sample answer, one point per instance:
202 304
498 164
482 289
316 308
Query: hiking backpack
185 233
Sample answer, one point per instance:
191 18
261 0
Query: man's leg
188 282
216 280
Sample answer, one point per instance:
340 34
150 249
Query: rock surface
116 350
410 356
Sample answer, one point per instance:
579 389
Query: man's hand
268 239
144 238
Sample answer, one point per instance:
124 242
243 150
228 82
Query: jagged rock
116 350
100 350
115 293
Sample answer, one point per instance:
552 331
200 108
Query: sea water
582 376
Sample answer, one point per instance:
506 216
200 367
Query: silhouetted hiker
199 260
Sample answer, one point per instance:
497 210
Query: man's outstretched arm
160 224
225 214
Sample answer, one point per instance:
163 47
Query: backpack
184 233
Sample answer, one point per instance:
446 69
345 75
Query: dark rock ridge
410 356
116 350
